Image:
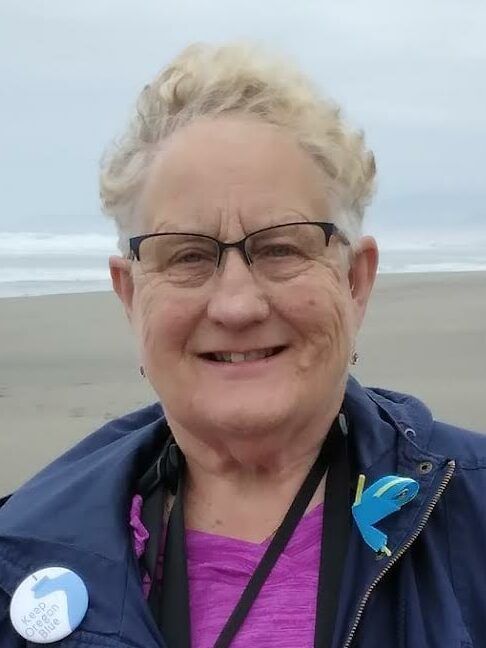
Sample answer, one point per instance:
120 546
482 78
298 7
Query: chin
249 413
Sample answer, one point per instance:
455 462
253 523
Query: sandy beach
68 363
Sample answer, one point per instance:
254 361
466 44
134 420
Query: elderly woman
267 498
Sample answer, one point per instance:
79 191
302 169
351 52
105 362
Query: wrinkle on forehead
226 178
220 225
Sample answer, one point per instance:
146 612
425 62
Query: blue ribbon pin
384 497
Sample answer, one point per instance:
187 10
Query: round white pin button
49 605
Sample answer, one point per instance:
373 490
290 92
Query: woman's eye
278 251
190 257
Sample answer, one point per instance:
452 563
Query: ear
362 275
122 281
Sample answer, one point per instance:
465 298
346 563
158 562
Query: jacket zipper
450 470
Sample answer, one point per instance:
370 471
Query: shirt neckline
203 540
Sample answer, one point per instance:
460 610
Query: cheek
321 321
162 329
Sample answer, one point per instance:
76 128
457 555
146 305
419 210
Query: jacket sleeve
8 637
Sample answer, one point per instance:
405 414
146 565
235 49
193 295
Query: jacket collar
381 418
389 435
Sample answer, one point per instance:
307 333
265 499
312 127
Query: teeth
241 357
257 355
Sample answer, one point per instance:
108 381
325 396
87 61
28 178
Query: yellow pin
359 489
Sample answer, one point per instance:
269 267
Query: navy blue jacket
431 592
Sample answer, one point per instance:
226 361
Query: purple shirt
219 568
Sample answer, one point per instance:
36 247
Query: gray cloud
411 74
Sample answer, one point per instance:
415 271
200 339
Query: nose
236 300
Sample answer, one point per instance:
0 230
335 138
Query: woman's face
227 178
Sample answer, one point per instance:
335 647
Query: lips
247 356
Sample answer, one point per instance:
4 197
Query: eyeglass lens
277 253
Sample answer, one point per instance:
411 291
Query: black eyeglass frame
329 230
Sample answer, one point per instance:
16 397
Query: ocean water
42 263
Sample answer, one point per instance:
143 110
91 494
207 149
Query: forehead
229 175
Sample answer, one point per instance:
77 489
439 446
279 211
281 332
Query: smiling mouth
233 357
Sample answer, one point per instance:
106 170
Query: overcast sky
412 74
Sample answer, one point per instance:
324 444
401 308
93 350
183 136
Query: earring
354 358
142 371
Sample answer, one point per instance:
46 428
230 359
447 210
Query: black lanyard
169 600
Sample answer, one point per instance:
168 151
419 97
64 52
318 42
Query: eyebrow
164 227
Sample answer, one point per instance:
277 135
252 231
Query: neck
246 500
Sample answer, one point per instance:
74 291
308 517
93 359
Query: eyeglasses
276 253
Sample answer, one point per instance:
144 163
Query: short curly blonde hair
208 81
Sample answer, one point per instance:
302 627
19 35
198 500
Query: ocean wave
37 289
29 243
40 275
